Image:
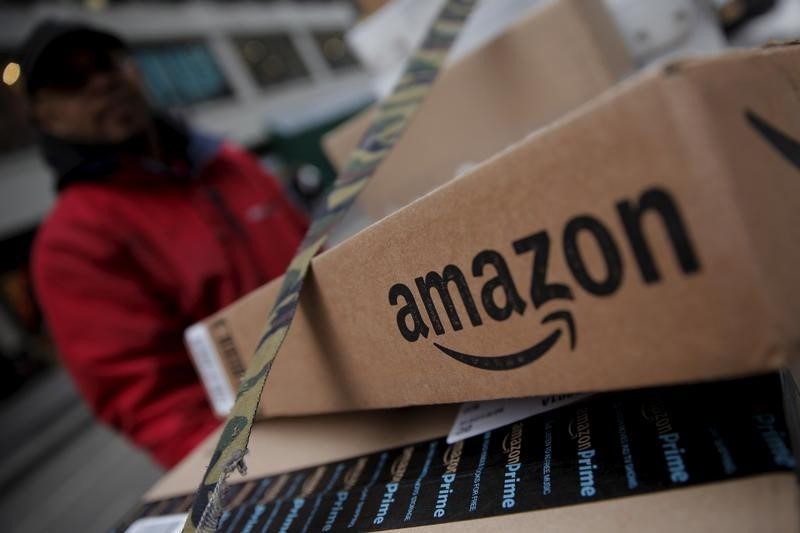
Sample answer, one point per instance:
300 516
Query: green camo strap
390 120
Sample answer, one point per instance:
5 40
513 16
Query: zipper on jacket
238 230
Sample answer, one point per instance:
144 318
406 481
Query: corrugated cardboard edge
216 363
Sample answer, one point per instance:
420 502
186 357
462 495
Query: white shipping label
475 418
204 352
172 523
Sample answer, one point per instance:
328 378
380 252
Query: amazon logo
419 305
782 142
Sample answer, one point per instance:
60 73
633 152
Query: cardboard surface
671 224
560 56
285 444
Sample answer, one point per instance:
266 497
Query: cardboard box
712 457
652 237
560 56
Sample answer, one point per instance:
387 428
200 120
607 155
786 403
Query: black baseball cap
43 54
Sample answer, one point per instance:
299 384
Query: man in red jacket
155 228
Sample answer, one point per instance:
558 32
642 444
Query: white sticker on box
475 418
172 523
207 360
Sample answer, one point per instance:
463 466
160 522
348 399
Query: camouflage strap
390 120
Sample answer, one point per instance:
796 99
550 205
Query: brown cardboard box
652 237
764 499
558 57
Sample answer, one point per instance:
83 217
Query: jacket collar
77 163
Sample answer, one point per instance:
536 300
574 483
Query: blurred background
274 76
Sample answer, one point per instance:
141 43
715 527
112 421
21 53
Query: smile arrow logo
523 357
783 143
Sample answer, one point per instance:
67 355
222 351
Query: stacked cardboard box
605 464
649 238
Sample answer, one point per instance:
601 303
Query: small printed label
201 347
475 418
172 523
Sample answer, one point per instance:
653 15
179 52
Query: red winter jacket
130 258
